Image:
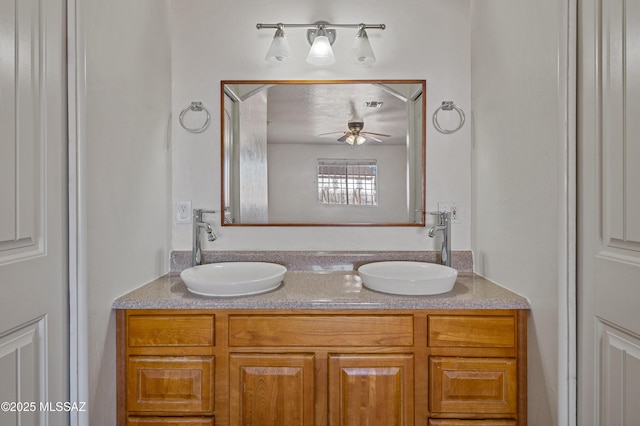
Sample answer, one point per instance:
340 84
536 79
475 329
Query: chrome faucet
444 225
198 223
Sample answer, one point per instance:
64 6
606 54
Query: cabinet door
272 389
170 385
472 386
371 390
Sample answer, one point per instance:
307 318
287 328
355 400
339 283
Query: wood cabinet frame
383 332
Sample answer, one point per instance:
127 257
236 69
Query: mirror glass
323 152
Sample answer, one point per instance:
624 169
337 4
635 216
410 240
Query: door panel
21 149
371 389
609 212
33 211
272 389
473 385
620 370
21 355
172 385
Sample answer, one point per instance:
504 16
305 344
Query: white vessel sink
408 278
233 278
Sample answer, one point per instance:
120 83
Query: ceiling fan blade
331 133
373 138
343 138
377 134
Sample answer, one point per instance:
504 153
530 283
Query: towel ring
195 106
448 106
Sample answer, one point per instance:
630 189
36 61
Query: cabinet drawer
178 385
320 330
484 422
170 421
472 385
496 331
170 330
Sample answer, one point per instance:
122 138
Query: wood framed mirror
323 153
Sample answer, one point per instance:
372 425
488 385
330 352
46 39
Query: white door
33 214
609 213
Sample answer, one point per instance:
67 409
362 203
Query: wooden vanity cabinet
352 369
477 368
166 367
321 367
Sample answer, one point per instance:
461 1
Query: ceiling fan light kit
355 139
356 135
321 36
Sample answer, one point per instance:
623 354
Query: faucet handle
197 213
442 216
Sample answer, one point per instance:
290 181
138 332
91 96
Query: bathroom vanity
322 350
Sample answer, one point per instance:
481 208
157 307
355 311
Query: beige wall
125 170
518 169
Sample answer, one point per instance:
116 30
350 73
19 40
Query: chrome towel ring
197 107
448 106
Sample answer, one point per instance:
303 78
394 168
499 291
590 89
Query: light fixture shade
321 52
279 51
355 139
361 51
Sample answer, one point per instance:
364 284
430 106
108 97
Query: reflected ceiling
302 113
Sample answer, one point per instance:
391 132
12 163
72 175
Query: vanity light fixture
321 52
361 52
279 50
321 36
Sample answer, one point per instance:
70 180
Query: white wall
218 40
125 165
293 180
132 83
517 170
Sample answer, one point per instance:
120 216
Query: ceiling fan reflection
355 135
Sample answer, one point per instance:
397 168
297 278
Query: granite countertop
323 290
